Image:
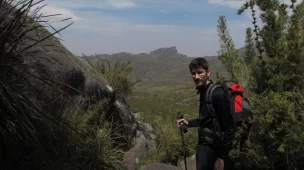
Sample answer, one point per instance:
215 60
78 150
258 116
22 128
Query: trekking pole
183 129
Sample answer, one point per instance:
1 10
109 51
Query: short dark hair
199 62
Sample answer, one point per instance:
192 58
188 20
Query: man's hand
219 164
181 121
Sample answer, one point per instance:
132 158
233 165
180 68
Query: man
212 150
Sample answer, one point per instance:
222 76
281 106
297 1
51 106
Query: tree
250 47
276 82
228 53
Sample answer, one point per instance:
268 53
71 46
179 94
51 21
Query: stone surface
159 166
191 163
145 141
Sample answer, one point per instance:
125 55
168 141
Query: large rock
132 157
77 83
145 141
159 166
191 163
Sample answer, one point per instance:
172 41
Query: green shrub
274 80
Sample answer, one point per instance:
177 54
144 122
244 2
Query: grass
159 107
26 128
91 143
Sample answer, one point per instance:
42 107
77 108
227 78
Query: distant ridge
163 66
167 51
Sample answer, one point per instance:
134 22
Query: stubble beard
202 83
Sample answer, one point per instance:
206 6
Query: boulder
145 141
191 163
159 166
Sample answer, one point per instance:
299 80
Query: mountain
170 51
163 66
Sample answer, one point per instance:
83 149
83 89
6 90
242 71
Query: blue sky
140 26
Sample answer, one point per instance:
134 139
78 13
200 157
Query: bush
274 64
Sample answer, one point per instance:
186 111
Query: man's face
200 76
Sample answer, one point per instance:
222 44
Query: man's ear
208 73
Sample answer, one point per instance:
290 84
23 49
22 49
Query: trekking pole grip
184 127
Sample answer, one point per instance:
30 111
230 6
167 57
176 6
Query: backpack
241 109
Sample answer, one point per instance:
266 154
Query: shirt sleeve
228 127
193 123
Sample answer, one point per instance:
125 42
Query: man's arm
221 106
193 123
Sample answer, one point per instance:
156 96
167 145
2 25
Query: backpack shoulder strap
209 93
217 132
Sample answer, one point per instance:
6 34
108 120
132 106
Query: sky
141 26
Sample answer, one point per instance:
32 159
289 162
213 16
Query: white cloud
51 13
110 35
164 11
236 4
94 32
102 4
120 4
65 13
230 3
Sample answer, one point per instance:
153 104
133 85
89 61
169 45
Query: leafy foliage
228 53
274 65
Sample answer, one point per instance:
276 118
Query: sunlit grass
160 106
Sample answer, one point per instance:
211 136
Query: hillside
164 66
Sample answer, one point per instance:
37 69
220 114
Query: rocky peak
170 51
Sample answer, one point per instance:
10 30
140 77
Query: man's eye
199 72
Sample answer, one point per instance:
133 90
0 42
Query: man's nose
197 76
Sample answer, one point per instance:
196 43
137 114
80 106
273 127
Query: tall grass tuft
31 136
117 74
91 141
25 127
